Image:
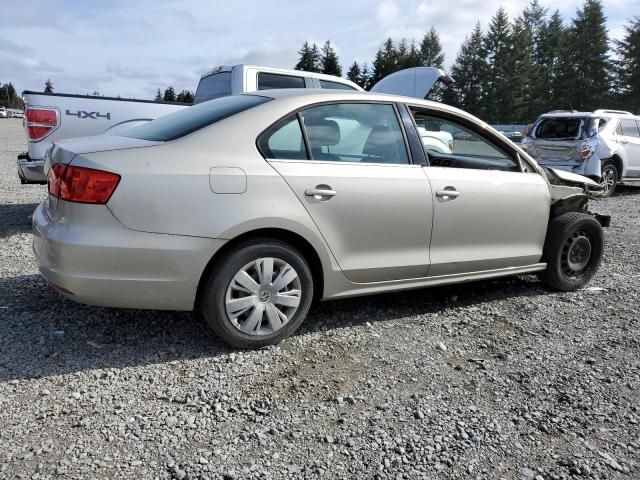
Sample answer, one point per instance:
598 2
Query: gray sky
131 48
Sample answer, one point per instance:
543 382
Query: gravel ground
500 379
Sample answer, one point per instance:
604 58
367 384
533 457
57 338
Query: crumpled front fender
563 185
571 193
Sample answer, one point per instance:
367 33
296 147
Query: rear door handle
319 193
447 193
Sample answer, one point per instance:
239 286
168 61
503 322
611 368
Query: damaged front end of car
571 193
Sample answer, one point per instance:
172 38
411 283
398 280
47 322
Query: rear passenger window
629 128
355 132
335 85
272 81
284 141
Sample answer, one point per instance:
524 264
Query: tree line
9 98
517 68
169 95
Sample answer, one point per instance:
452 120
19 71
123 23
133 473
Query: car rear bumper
101 262
31 171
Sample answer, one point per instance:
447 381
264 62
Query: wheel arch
617 161
287 236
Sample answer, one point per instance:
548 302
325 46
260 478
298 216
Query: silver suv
603 145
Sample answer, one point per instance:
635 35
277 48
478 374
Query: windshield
189 119
568 128
213 86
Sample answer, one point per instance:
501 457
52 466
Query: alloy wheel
608 180
263 296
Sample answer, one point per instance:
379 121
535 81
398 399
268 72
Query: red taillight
53 179
40 122
81 185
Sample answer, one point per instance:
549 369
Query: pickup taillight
80 184
40 122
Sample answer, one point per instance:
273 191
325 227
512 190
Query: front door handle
447 193
320 192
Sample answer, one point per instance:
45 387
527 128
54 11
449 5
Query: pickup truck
57 116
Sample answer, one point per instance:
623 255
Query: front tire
258 294
609 178
573 251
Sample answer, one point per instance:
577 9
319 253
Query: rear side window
214 86
560 128
629 128
189 119
271 81
284 141
355 132
335 85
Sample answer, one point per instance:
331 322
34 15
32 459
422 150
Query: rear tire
573 251
258 294
609 177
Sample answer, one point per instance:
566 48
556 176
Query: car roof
596 114
300 73
568 114
307 96
326 94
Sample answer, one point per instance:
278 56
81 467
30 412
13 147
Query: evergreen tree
408 55
309 58
8 97
548 94
169 95
431 54
354 73
385 63
329 62
525 72
48 86
628 67
469 73
534 20
586 75
401 54
365 77
185 96
158 96
498 101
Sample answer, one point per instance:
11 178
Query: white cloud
132 48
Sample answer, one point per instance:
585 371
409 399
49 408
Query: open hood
414 82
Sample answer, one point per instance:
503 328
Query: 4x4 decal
94 115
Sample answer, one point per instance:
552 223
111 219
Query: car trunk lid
414 82
65 151
556 151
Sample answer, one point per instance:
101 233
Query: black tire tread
216 285
556 236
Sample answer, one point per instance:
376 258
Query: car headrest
322 132
380 142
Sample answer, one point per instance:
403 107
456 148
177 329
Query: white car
3 112
603 145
